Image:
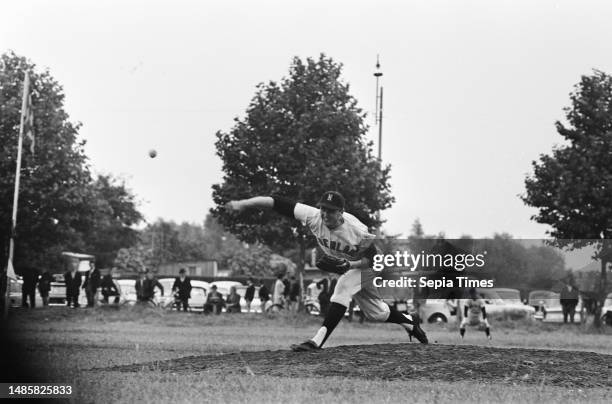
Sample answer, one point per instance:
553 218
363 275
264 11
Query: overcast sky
472 90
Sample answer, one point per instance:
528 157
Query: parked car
504 309
15 295
223 287
551 303
57 294
509 295
199 292
127 291
167 300
606 311
255 304
436 311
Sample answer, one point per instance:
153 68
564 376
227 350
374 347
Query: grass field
88 347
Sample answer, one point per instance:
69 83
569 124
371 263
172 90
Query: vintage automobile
199 291
437 310
57 294
606 311
505 309
255 304
223 287
548 306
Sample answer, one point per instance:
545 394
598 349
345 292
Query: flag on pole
10 271
28 112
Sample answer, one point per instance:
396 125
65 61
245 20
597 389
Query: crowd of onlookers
285 292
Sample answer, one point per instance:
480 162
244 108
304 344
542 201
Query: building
193 268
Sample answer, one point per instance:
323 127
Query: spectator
214 301
44 286
28 288
145 287
294 294
182 290
287 289
249 294
264 296
91 285
278 295
324 297
73 283
110 288
233 301
569 301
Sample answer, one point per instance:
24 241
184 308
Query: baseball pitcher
349 250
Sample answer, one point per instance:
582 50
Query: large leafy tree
300 137
109 227
572 187
61 206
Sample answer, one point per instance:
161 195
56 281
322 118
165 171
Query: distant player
474 314
349 250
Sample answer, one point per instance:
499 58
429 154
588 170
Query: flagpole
24 101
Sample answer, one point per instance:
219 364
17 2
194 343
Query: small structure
193 268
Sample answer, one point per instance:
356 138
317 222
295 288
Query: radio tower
378 115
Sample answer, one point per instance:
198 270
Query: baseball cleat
305 346
417 332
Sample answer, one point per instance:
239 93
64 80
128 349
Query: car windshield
509 295
545 296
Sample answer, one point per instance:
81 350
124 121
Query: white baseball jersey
475 309
348 241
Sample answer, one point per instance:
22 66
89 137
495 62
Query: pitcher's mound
407 362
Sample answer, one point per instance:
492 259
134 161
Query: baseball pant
474 322
358 284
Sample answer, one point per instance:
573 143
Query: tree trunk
601 295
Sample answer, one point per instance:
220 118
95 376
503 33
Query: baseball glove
331 264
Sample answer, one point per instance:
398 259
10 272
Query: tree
251 261
572 187
109 227
300 137
61 207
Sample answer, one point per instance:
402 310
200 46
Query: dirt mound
407 362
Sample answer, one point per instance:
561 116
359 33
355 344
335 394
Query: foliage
572 187
166 241
300 137
61 207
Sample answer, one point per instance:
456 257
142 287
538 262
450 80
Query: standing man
264 296
349 250
91 284
182 289
44 286
278 293
73 283
249 294
294 294
28 288
569 301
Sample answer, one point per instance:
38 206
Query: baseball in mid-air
152 153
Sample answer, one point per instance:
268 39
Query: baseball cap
332 200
